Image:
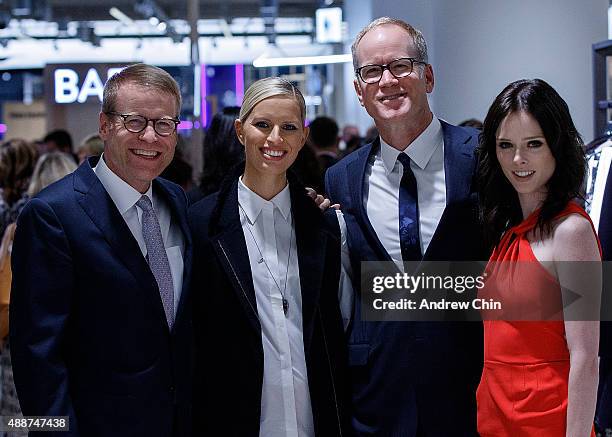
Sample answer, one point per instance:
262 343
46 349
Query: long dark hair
222 150
499 204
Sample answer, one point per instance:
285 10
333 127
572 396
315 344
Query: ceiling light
262 61
118 15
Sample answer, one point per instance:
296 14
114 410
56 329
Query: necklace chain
263 259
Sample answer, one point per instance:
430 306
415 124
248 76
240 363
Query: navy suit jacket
414 378
229 379
89 338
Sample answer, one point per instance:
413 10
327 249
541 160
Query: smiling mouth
146 153
392 97
523 174
272 154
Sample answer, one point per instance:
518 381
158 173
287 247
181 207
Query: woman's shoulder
574 239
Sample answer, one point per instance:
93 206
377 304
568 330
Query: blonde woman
269 334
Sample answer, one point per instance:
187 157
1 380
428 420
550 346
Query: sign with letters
69 87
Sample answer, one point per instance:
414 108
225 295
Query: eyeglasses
402 67
137 123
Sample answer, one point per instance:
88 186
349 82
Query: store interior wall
479 46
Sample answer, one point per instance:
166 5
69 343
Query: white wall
479 46
482 45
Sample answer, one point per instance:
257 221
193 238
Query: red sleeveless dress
523 391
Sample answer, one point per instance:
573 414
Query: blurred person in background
179 170
350 131
17 161
371 134
472 122
351 140
49 168
90 146
221 150
353 144
323 139
58 140
307 169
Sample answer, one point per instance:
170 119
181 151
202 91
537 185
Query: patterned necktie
408 213
157 257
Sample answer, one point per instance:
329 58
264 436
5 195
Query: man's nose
149 134
387 78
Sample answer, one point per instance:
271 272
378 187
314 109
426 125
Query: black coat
229 351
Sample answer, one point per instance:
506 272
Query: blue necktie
409 213
157 257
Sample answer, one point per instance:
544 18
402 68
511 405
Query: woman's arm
578 265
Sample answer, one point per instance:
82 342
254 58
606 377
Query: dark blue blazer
89 338
229 351
414 378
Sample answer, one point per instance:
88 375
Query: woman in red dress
541 368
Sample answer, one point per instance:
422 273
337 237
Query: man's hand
321 201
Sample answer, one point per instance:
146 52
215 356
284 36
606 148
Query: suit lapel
458 162
311 248
356 178
231 250
102 211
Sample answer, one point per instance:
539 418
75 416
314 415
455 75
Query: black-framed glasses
402 67
136 123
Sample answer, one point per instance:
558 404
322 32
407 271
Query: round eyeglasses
137 123
402 67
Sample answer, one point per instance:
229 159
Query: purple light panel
239 84
203 92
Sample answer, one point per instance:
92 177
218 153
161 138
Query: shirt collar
123 194
420 150
252 203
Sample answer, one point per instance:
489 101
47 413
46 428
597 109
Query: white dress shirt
125 197
382 183
269 232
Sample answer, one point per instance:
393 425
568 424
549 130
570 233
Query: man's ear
358 90
429 78
239 130
104 126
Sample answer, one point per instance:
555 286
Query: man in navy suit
408 378
100 327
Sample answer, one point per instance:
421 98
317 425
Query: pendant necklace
263 260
